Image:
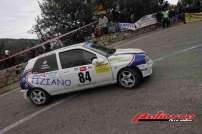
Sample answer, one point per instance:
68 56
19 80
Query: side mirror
98 61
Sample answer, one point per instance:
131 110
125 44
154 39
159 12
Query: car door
76 65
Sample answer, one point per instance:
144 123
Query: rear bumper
24 92
146 69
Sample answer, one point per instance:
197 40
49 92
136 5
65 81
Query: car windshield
100 49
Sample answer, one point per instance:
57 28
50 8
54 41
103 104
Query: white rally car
82 66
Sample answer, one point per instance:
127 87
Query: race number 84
83 77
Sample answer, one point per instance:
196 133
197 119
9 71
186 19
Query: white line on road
177 52
6 129
29 117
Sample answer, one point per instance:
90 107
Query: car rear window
45 64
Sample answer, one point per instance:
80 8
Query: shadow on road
100 90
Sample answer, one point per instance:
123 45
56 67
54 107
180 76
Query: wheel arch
28 93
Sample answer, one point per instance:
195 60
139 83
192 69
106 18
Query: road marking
10 92
29 117
177 52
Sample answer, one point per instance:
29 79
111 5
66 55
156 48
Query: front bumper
146 69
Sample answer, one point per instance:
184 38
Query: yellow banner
193 17
105 68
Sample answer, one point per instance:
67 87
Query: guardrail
10 75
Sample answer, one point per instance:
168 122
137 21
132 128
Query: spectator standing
97 32
114 21
9 62
159 17
171 15
103 22
111 27
165 14
181 12
132 18
115 16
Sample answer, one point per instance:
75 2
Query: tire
39 97
129 78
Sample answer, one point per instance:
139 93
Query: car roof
60 49
69 47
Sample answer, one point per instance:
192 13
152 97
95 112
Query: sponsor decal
44 79
83 69
119 59
39 75
145 21
132 61
45 75
84 77
49 82
138 59
127 26
104 68
45 65
162 116
24 84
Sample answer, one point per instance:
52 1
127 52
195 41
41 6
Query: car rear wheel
39 97
129 78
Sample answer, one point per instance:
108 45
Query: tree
60 16
192 5
161 1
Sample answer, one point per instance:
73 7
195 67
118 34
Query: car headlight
147 58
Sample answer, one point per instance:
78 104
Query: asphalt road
175 87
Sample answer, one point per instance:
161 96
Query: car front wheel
129 78
39 97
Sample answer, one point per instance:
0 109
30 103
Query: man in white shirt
103 22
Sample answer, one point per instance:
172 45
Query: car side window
46 64
75 58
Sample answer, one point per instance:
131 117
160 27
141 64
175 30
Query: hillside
16 45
